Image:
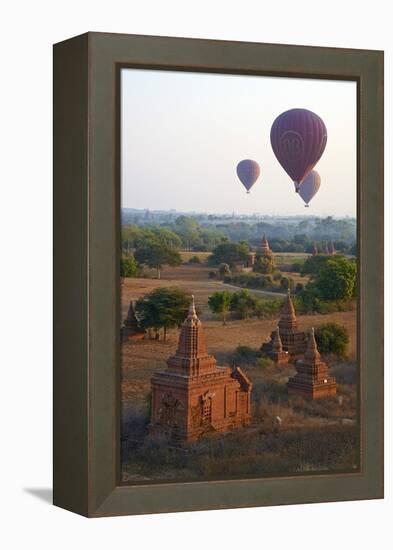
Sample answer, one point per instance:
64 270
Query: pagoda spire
288 316
276 341
312 355
191 357
312 379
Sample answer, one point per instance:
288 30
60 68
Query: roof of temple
312 355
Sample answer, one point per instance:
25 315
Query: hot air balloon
298 139
248 172
310 186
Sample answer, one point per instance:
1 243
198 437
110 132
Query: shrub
224 270
245 355
264 363
332 338
287 282
195 260
129 267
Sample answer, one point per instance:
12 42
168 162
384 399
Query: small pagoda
315 249
277 353
193 395
293 340
131 329
312 379
265 249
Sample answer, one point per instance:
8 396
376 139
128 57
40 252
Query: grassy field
303 426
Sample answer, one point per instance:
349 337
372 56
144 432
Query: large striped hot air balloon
298 139
310 186
248 172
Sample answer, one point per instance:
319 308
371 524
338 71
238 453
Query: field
303 424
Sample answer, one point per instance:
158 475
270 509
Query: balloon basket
306 206
248 192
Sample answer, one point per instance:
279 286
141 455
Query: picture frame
86 428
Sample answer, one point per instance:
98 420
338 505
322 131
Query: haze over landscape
184 133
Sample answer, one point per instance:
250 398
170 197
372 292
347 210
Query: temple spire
191 310
312 354
276 342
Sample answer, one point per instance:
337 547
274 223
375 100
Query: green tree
156 256
224 270
229 253
337 279
264 264
219 303
243 303
129 267
332 338
163 308
287 282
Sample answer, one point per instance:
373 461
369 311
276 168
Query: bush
332 338
244 355
287 282
268 309
264 363
129 267
195 260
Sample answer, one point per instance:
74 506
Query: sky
183 134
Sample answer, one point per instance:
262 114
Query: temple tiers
131 328
193 395
265 248
312 379
293 340
277 354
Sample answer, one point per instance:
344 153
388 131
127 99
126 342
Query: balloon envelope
298 138
310 186
248 172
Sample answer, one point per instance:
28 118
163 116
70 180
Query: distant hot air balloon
310 186
248 172
298 139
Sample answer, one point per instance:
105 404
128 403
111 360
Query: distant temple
131 328
293 340
312 379
264 249
276 352
315 249
193 395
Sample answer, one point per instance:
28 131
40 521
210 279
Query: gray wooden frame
86 293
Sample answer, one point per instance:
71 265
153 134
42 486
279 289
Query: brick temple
193 395
312 379
292 339
131 329
265 249
276 353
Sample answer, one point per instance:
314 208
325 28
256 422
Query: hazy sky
184 133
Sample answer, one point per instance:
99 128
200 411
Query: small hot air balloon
298 138
248 172
310 186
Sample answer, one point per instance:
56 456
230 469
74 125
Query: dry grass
265 448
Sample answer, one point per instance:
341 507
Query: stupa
293 340
264 249
312 379
277 353
193 395
131 328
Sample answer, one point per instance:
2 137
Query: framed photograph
218 274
